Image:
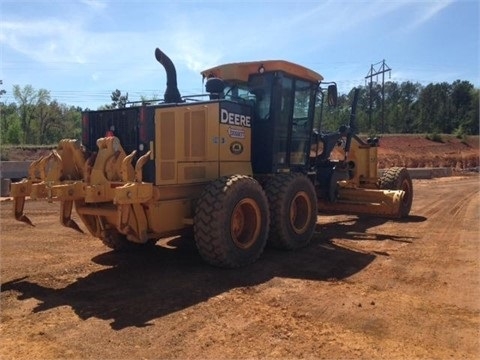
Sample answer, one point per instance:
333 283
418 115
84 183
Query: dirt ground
364 288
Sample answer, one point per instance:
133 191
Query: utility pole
375 70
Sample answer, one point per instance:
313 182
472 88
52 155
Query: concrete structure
14 170
428 173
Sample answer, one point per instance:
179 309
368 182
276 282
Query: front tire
231 221
398 178
293 211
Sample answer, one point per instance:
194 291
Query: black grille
124 124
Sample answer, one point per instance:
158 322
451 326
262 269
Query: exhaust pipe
172 95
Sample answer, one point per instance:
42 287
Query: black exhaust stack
172 95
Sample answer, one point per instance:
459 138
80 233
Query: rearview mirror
332 95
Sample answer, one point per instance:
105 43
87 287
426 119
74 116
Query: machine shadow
139 287
357 228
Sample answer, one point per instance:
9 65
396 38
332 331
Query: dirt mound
416 151
25 154
413 151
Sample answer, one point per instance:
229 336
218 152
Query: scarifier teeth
24 218
73 225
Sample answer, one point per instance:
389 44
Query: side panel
165 151
168 215
235 138
172 206
195 144
186 144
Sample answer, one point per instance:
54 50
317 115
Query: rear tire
231 221
398 178
293 211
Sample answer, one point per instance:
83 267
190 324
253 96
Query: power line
382 69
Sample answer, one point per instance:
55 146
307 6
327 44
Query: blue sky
82 50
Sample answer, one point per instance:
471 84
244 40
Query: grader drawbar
243 165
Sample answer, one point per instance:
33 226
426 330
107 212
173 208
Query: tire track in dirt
430 270
364 288
425 280
449 215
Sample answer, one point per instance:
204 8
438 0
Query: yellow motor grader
243 165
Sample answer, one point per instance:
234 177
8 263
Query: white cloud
93 44
95 4
193 50
427 13
198 39
46 41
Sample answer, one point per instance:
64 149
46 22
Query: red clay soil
416 151
413 151
365 288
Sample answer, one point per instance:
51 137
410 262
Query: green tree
72 117
463 98
28 99
13 135
408 110
435 114
411 108
118 100
2 91
151 99
8 115
470 121
392 107
50 122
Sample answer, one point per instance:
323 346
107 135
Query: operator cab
284 98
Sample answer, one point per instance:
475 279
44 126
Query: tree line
408 108
35 118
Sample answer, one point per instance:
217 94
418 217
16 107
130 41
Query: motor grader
243 165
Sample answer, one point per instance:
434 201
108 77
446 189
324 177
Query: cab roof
242 70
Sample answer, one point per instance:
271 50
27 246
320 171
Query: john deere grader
244 164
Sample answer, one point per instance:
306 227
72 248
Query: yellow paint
241 71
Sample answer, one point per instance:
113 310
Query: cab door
293 122
302 123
